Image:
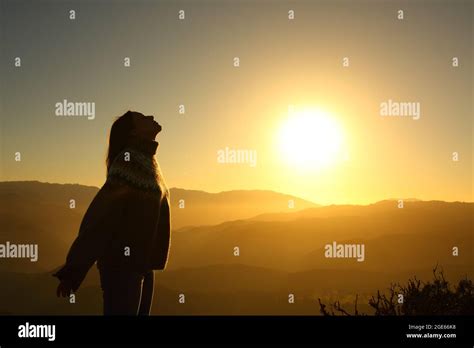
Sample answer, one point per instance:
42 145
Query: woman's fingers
66 291
63 290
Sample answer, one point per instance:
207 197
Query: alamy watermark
400 109
346 251
67 108
28 330
21 251
237 156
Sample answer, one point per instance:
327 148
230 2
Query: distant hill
279 253
382 207
37 212
421 234
203 208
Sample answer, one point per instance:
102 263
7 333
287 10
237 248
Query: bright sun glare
310 139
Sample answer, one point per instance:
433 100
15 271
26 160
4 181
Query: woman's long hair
119 135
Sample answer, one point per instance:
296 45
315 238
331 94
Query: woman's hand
64 289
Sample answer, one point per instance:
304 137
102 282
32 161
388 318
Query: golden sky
282 62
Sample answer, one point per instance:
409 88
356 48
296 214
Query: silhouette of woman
126 228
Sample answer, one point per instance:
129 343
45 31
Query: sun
310 139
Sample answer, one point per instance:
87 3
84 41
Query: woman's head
130 124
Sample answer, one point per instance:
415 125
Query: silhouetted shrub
435 297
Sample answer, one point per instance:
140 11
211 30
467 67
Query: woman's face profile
145 126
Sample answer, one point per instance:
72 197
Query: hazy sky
282 62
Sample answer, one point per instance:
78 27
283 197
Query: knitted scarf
137 167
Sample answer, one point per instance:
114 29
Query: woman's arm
95 232
163 239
